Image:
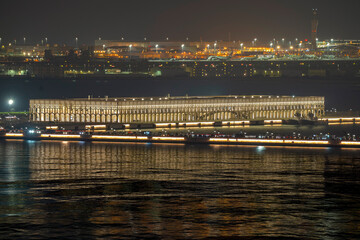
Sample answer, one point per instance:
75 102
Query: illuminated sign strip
350 143
59 136
14 134
273 121
114 137
52 127
165 124
339 119
318 142
323 142
137 138
343 123
260 141
235 122
95 126
142 138
169 138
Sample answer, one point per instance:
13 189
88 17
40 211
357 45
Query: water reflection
178 191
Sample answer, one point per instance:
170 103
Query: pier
185 139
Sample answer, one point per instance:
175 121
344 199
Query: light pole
215 47
24 40
76 42
11 103
46 40
130 46
156 47
255 39
0 41
241 45
182 48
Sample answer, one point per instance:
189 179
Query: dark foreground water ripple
67 190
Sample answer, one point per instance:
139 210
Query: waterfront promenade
186 139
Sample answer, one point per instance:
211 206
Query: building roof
164 98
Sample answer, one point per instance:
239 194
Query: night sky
62 21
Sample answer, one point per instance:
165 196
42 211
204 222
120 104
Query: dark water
57 190
341 93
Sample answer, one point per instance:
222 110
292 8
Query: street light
241 45
76 42
46 40
24 40
130 46
182 47
156 47
11 103
215 47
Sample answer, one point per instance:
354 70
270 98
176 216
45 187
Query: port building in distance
175 109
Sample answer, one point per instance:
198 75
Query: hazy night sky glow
62 21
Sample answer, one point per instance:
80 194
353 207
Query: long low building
174 109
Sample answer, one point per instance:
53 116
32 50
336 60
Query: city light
14 135
209 120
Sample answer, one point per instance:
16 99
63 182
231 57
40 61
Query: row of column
170 117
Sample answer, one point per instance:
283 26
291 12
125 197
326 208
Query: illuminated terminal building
175 109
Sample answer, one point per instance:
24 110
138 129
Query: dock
186 140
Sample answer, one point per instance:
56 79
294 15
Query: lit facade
174 109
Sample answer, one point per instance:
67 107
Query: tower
314 28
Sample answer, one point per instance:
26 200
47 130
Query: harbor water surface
57 189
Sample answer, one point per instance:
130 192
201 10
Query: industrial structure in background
314 29
119 58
